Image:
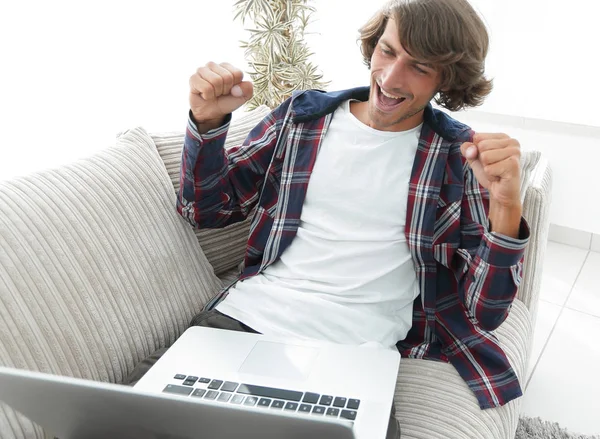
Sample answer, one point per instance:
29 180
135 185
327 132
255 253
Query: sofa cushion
224 247
229 277
432 400
97 269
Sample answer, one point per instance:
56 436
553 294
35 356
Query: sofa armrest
536 210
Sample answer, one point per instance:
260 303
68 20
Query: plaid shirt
468 276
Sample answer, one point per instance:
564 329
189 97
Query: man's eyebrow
413 60
385 43
424 64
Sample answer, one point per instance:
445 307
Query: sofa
97 270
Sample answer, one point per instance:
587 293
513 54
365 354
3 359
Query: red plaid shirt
468 276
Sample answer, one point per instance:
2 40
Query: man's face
401 87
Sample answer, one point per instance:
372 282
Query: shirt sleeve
219 186
491 264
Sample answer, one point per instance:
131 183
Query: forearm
205 196
220 187
505 220
494 274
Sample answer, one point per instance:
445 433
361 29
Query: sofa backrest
97 269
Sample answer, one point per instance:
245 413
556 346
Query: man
378 219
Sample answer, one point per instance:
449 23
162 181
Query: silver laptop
222 384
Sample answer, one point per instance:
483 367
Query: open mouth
387 101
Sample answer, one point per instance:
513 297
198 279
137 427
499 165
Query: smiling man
401 86
378 218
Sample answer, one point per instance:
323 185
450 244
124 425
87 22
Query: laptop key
192 378
348 414
333 412
237 399
211 394
305 408
204 380
264 402
278 404
224 397
179 377
292 406
251 401
353 404
229 386
189 383
326 400
311 398
270 392
199 393
319 410
178 390
339 402
215 384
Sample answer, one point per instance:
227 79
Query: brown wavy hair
445 33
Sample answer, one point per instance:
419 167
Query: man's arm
505 220
219 187
493 233
489 264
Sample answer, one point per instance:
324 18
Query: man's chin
386 120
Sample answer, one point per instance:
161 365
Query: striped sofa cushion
97 269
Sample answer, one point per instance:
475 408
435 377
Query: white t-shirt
348 276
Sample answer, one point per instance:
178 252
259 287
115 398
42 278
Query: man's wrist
205 126
506 219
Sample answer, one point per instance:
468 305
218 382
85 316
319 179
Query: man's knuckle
228 78
204 73
484 157
218 81
206 90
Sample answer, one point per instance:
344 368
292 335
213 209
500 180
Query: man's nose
393 76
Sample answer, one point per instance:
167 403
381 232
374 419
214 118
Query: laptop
222 384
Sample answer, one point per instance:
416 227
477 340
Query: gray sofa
97 270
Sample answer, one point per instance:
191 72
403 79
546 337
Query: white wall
573 153
74 73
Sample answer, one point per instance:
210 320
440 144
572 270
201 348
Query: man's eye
419 70
386 52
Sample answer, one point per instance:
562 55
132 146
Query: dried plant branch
276 51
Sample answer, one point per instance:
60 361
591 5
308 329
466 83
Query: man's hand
215 91
494 159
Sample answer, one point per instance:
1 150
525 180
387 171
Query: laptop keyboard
272 398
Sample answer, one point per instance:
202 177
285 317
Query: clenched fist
215 91
494 159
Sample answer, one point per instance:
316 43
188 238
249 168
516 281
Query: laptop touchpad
280 360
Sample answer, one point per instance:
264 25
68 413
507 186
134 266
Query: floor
564 384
